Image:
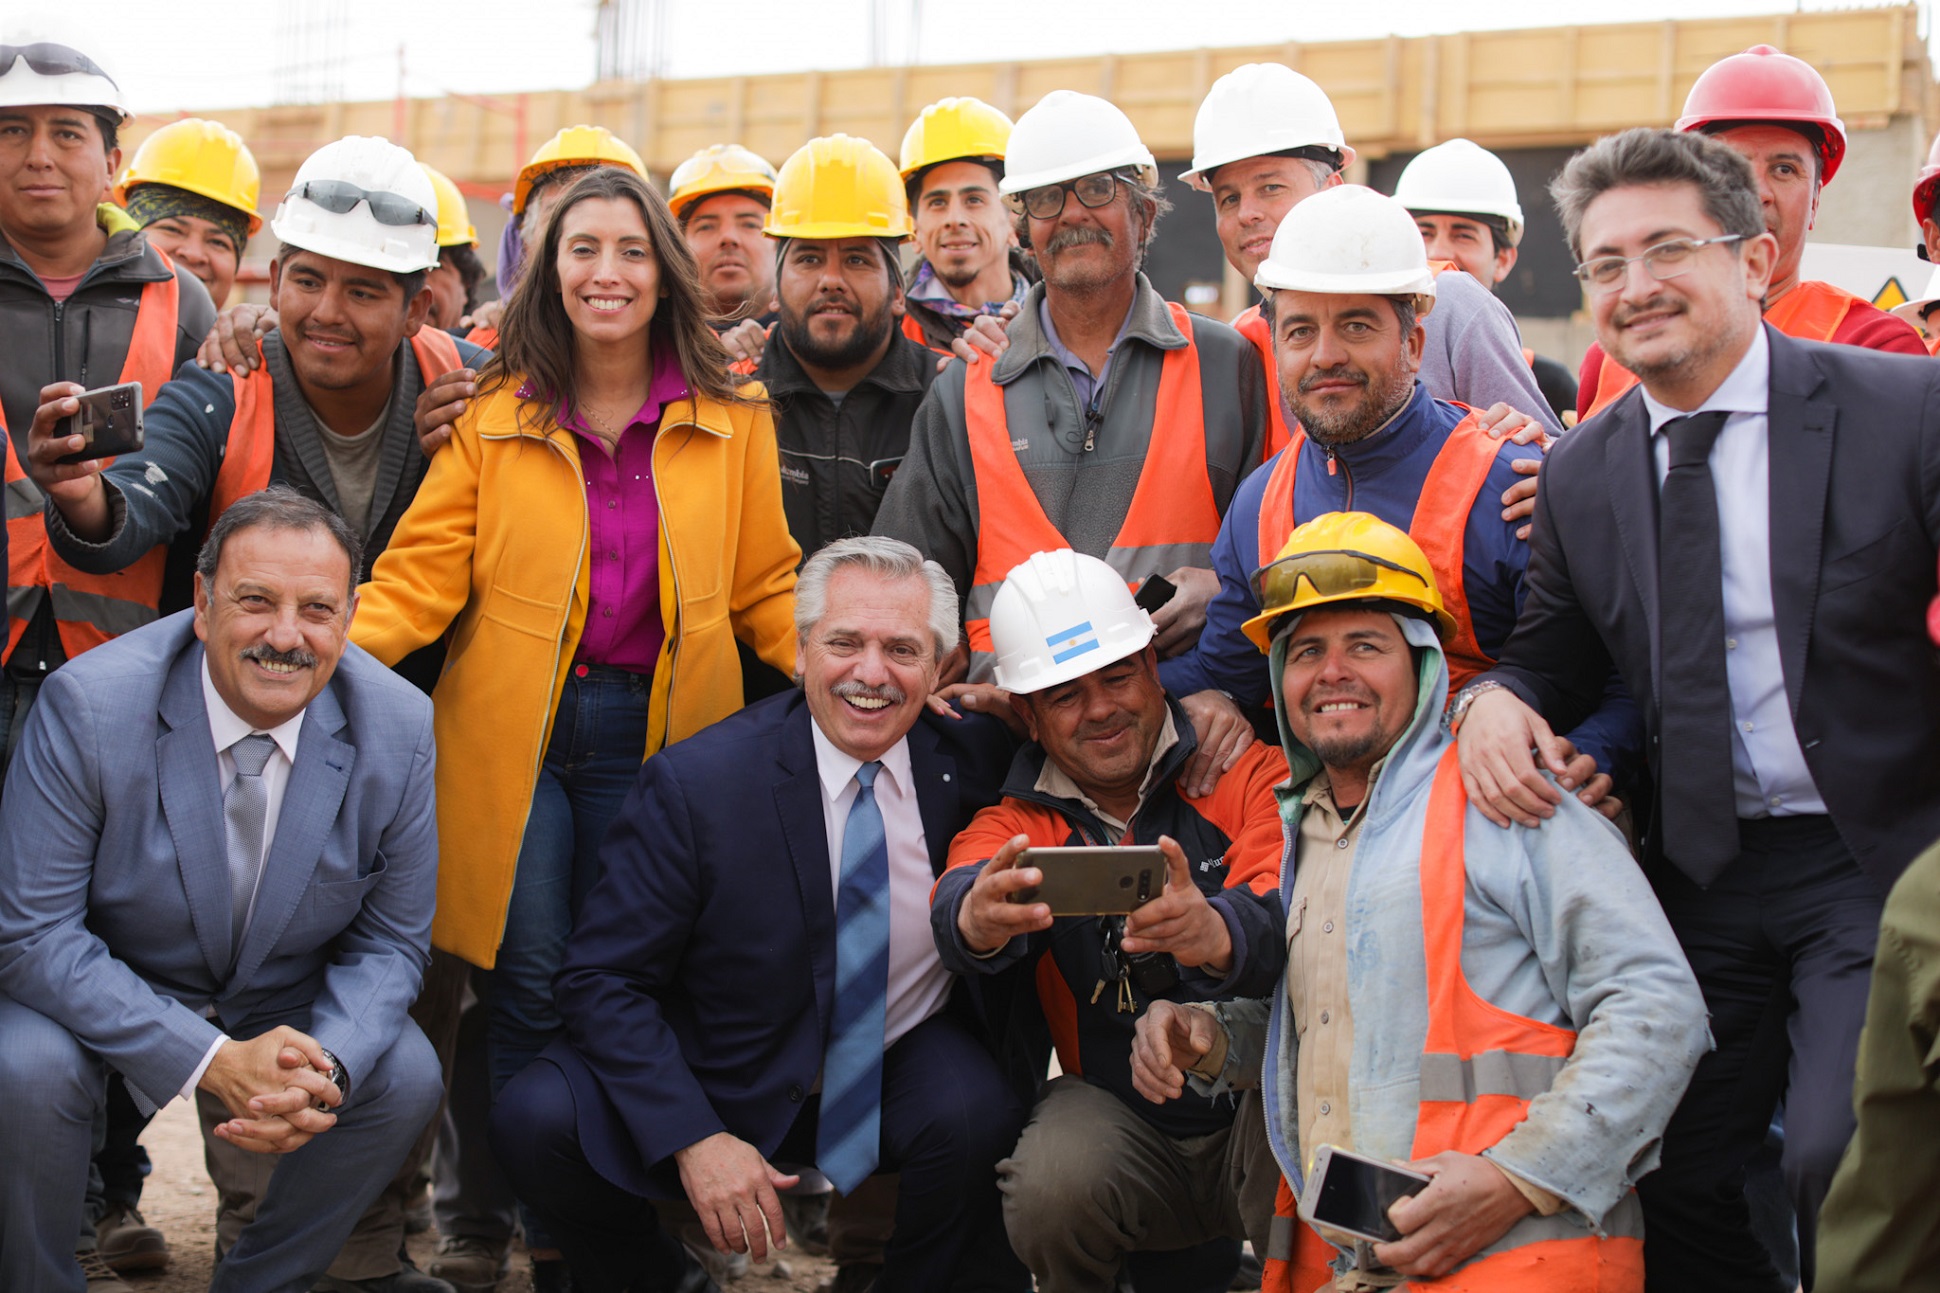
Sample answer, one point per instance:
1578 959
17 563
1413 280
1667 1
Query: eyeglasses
1665 260
340 197
1047 201
50 59
1329 574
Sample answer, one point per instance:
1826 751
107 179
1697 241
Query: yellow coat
493 548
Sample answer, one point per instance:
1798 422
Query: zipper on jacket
87 344
673 570
1338 467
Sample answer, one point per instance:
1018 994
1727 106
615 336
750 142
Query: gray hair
885 558
278 508
1646 156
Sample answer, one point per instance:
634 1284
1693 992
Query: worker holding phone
1505 1013
1098 886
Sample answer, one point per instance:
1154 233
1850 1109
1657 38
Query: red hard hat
1923 190
1763 84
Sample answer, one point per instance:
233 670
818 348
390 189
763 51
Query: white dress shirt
1769 774
918 983
226 728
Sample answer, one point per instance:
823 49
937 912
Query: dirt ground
180 1202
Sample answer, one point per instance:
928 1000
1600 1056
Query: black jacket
83 339
836 461
1855 522
940 329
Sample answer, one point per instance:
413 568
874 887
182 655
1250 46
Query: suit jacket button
795 1093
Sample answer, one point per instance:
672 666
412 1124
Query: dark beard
1365 418
847 354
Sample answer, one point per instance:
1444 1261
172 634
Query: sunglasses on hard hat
340 197
1046 202
1329 574
50 59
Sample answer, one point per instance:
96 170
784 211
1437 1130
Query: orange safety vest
1812 311
1171 522
90 609
1481 1066
1440 527
483 338
249 455
1252 325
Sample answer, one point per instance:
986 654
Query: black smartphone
1095 880
1352 1193
1155 592
109 420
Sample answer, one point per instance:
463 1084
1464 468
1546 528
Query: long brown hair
536 343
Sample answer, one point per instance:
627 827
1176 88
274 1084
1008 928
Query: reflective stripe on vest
1440 527
1252 325
1812 311
249 454
1172 520
1480 1068
90 609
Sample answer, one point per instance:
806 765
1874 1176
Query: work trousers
1092 1181
947 1116
1782 947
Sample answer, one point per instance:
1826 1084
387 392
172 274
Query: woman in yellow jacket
604 523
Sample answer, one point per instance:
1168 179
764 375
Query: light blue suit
115 939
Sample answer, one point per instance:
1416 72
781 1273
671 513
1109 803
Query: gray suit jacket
114 888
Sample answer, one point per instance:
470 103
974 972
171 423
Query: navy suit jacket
698 983
114 874
1855 520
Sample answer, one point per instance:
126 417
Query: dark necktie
245 807
848 1136
1698 815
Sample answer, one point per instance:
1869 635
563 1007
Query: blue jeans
599 737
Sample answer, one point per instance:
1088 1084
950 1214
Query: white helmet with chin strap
363 200
44 73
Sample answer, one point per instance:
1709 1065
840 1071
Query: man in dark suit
1750 536
218 857
753 980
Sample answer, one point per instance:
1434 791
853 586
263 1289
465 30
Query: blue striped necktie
849 1135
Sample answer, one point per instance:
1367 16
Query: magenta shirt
623 625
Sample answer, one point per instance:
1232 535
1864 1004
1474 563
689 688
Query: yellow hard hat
954 129
718 168
1344 557
455 228
575 146
201 157
839 187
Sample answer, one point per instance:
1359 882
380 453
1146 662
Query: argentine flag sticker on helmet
1071 643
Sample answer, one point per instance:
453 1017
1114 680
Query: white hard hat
362 200
46 73
1461 177
1350 241
1068 135
1257 110
1061 615
1912 310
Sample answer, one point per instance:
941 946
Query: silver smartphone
1094 881
1352 1193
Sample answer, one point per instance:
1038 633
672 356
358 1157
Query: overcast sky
170 55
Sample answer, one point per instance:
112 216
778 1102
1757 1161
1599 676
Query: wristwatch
1452 720
338 1074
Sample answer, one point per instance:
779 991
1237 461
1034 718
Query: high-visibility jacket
1173 518
1253 326
249 455
486 338
913 329
1811 311
1440 527
1481 1066
89 609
